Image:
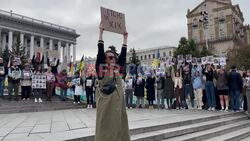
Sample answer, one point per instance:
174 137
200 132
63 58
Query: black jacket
235 81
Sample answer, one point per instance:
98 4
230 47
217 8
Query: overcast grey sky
149 23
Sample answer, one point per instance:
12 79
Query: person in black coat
89 87
235 86
139 91
150 83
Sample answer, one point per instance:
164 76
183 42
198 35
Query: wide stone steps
21 106
187 129
233 136
196 129
210 133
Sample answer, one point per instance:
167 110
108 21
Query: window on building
141 57
195 23
149 56
153 56
145 57
170 53
164 54
222 30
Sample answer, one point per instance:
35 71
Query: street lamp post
204 20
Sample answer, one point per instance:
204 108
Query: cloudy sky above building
150 23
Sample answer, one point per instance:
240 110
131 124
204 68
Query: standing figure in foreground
222 87
235 86
169 89
14 76
209 86
139 91
150 87
111 115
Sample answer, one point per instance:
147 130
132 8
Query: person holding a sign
209 87
14 76
37 84
89 87
26 82
111 115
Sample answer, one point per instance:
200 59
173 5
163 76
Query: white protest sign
194 60
38 50
199 61
216 61
188 58
180 58
210 59
223 61
204 60
39 81
113 21
53 54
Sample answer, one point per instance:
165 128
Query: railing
14 15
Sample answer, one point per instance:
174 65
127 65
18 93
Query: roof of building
36 21
155 48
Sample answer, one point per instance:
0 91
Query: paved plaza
78 123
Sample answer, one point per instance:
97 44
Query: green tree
5 55
205 52
239 57
189 47
18 50
133 63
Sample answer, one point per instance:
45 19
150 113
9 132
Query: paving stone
22 130
41 128
18 136
59 127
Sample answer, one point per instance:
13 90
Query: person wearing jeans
188 89
129 89
209 87
235 86
197 86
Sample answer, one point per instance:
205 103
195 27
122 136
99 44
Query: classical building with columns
52 40
146 56
217 25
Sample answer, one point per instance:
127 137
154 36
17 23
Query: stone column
74 53
22 39
43 49
42 43
4 41
32 38
10 42
68 52
1 45
59 48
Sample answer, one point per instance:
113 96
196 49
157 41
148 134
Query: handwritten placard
113 21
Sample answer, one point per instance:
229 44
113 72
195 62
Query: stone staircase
229 127
21 106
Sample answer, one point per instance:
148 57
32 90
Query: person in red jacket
62 81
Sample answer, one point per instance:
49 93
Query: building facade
54 41
146 56
217 25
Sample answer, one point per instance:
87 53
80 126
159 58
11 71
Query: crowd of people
17 77
190 86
